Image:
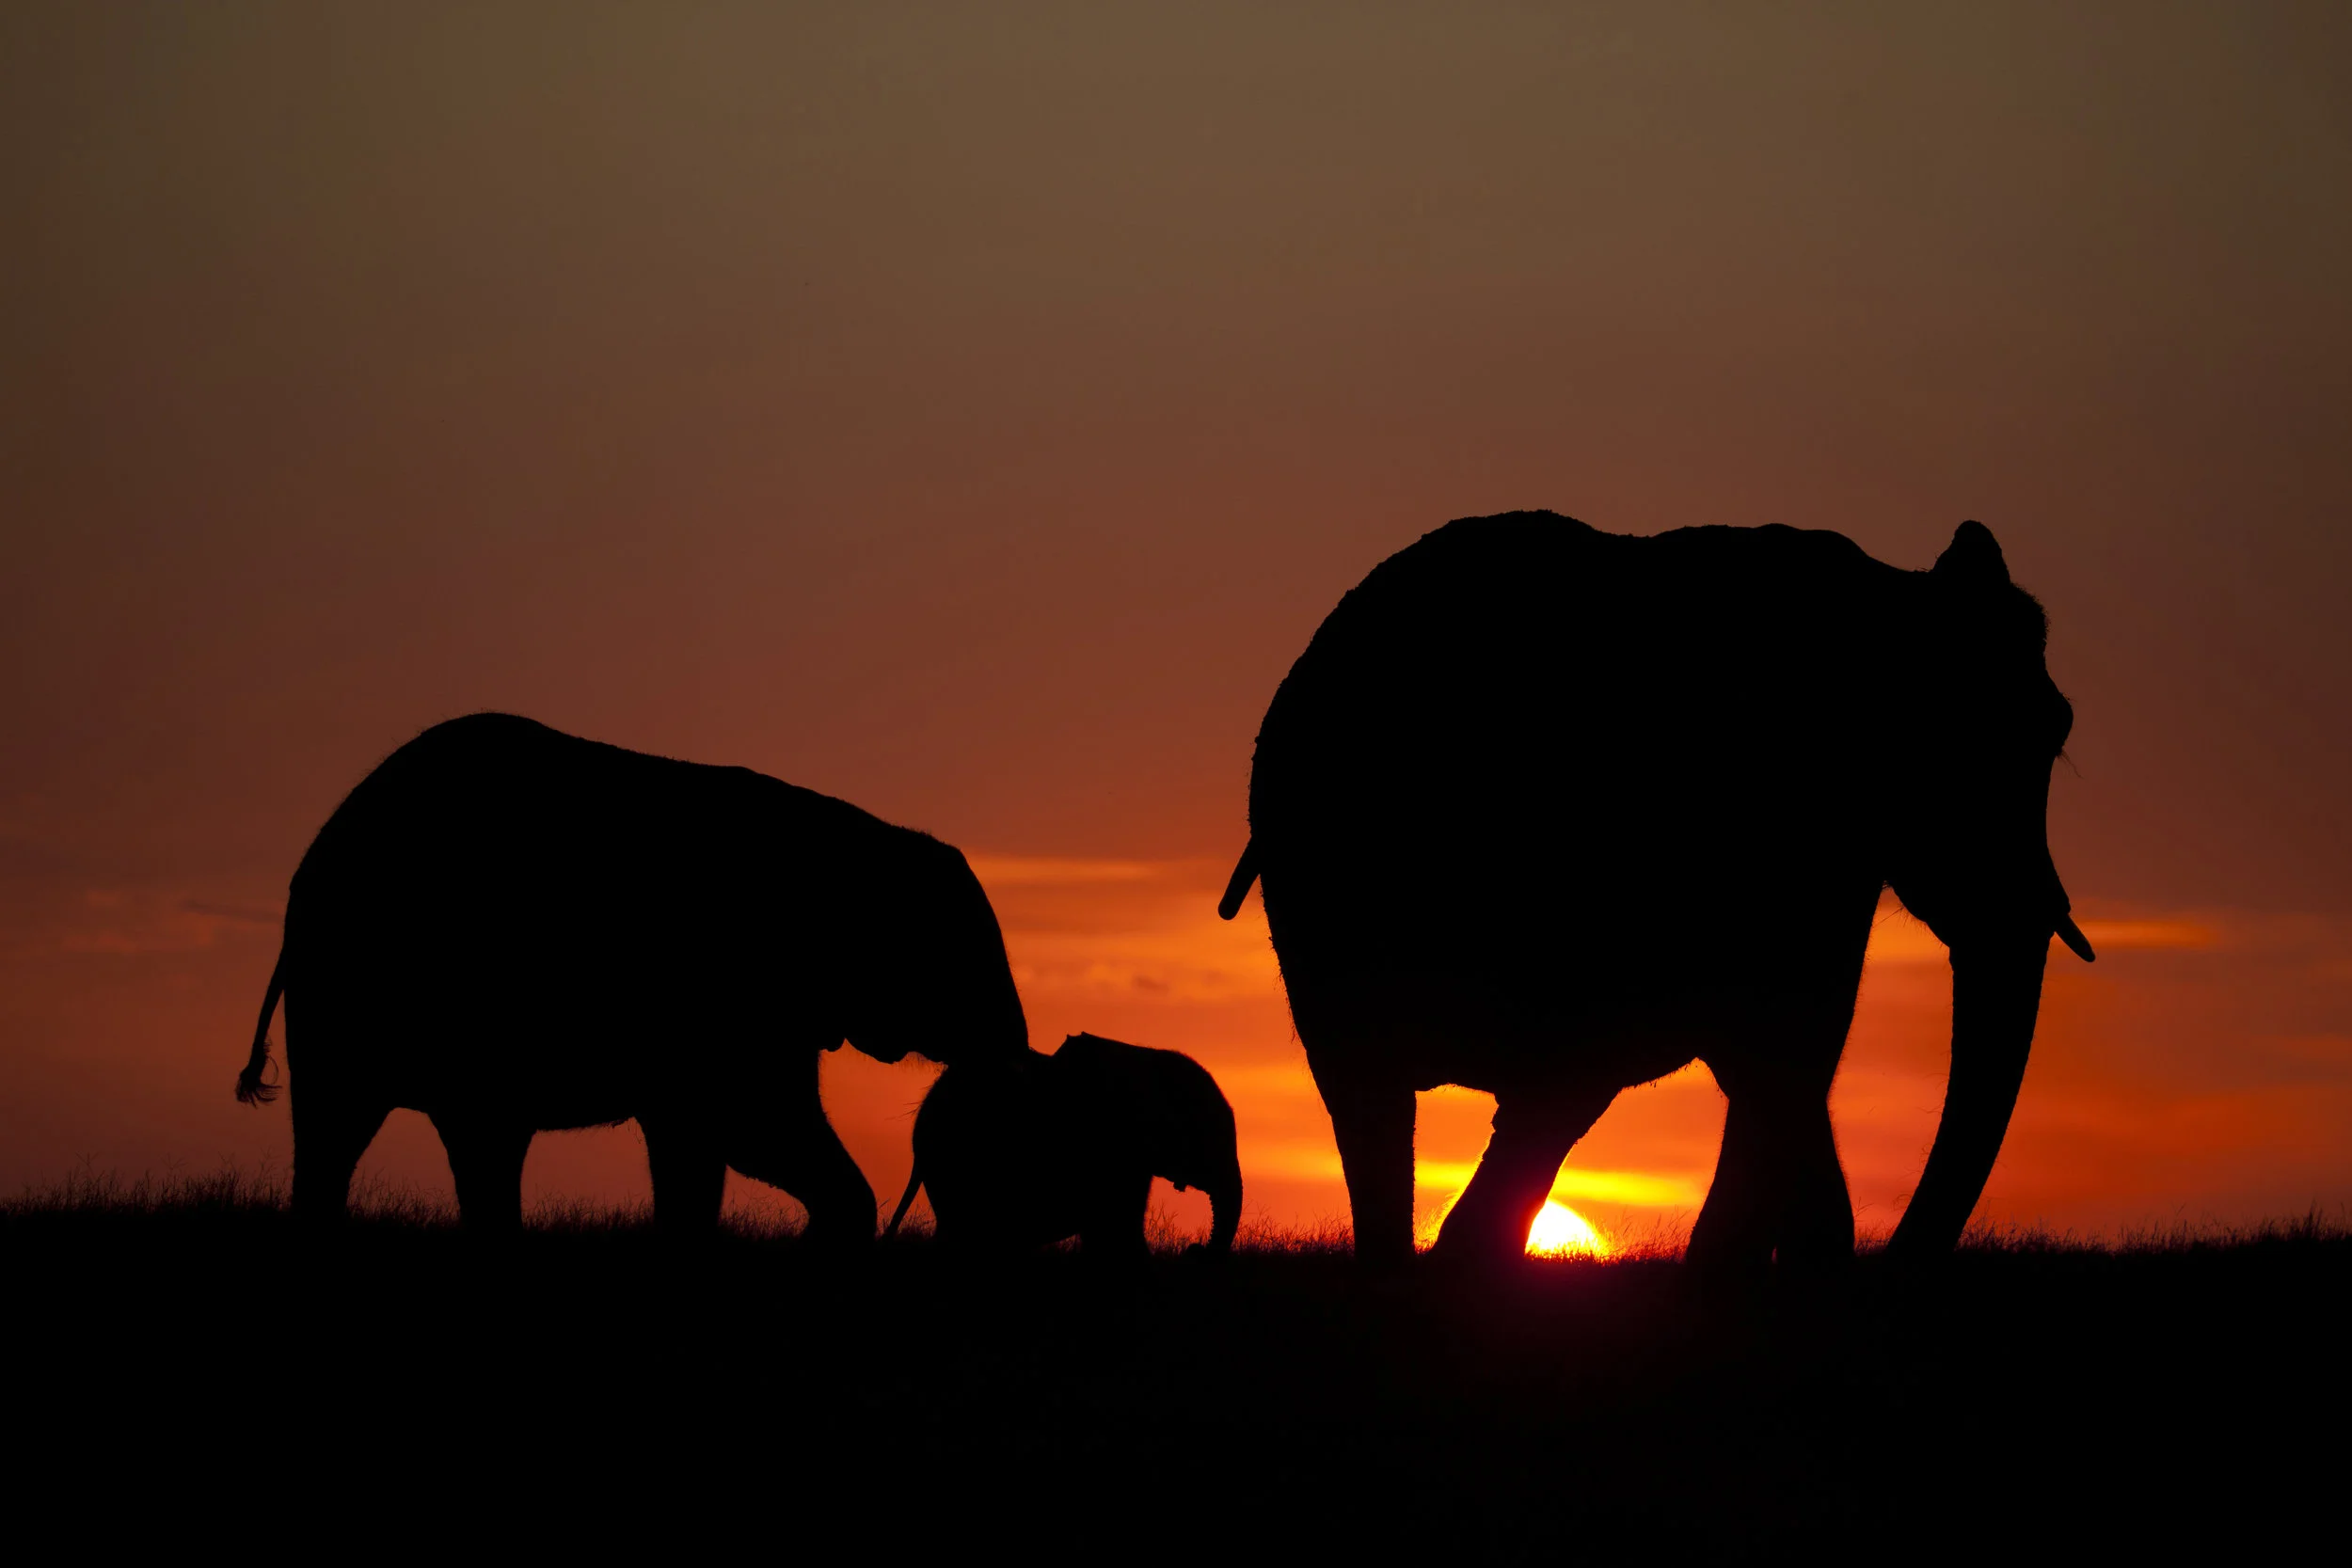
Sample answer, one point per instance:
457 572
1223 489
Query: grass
185 1355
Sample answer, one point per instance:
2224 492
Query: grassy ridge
183 1342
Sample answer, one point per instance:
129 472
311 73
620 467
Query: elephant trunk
1996 996
1224 1209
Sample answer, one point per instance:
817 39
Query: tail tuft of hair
253 1085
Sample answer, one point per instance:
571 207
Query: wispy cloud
2150 934
133 922
1899 938
1444 1180
1018 871
1637 1189
1125 929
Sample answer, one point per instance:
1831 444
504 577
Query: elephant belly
1556 1011
1002 1217
569 1026
1028 1191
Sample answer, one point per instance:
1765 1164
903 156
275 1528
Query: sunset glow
1559 1231
977 430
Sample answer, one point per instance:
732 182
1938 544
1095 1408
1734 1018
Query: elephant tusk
2072 934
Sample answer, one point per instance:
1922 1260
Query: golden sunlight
1559 1231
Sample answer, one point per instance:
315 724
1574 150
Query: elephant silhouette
512 929
1549 813
1067 1144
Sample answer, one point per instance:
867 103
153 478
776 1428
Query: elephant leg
1735 1224
1816 1223
1777 1183
331 1130
485 1160
803 1156
1374 1125
1113 1226
1533 1134
690 1175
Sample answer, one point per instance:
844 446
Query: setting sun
1559 1231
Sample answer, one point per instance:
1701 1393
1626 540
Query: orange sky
971 412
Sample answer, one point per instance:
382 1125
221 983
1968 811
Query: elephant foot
839 1238
1122 1251
1482 1262
1386 1262
1718 1252
1827 1260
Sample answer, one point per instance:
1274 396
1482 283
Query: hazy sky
971 411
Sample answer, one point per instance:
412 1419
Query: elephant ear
1973 559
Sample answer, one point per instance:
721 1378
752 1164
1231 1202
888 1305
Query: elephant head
1161 1112
934 978
1969 853
1189 1129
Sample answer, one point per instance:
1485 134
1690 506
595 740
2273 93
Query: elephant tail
906 1200
1237 889
251 1090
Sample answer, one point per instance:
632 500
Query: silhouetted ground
187 1363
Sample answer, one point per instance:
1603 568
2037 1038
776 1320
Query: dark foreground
193 1367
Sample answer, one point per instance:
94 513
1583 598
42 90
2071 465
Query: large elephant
512 929
1067 1144
1549 813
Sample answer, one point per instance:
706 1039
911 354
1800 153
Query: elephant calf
1067 1144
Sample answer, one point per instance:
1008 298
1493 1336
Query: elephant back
1499 713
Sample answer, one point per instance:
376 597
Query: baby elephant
1067 1144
